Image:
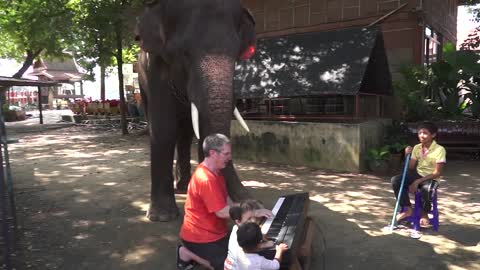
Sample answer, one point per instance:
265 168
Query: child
246 211
249 237
426 164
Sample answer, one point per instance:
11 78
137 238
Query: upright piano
286 226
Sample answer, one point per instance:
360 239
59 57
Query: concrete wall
336 146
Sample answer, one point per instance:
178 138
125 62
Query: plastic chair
417 212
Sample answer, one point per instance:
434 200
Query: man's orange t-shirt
207 194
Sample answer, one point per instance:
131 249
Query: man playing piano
204 229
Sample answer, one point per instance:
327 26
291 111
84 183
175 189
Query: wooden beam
39 96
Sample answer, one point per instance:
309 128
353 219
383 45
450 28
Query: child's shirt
233 250
253 261
427 159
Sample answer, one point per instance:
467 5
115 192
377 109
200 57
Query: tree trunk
119 56
27 63
102 83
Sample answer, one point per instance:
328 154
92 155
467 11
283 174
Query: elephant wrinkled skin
188 52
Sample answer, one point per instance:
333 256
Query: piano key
266 225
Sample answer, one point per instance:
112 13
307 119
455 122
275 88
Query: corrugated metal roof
8 81
314 64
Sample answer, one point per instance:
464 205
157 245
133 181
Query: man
426 164
204 230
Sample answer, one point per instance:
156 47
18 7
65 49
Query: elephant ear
247 35
150 32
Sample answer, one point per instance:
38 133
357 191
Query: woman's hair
431 127
249 235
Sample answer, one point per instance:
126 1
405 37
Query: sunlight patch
110 184
253 183
81 236
139 255
143 206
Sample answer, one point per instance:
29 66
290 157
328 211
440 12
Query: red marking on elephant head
248 53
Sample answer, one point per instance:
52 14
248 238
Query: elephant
186 68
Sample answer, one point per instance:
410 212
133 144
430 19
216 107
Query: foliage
379 154
95 29
412 93
396 137
28 28
444 90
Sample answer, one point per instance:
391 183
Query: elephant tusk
195 121
239 117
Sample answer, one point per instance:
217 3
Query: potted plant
378 159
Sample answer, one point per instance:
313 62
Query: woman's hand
408 150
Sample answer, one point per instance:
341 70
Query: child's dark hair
249 235
236 212
431 127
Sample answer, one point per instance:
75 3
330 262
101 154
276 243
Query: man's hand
408 150
413 187
263 213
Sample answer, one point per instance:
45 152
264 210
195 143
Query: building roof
64 70
9 81
347 62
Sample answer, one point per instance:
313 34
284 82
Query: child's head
249 235
244 212
427 131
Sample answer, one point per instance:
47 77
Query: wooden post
357 106
39 96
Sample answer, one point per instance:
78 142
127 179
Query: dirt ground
81 196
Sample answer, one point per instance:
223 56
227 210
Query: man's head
217 149
427 131
249 235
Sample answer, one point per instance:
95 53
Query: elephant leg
163 129
184 141
236 190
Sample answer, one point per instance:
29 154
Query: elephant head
189 49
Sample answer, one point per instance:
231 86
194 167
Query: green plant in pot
377 159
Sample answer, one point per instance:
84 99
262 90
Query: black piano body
287 227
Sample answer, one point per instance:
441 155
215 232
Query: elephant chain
179 95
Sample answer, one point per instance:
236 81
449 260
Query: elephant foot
162 215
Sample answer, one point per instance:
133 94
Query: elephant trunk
213 85
215 94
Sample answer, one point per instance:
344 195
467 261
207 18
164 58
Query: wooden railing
453 135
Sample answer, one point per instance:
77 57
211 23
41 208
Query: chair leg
435 219
417 211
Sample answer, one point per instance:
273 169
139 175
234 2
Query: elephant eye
248 53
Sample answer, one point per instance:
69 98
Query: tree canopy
28 28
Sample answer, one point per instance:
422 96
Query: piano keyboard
268 222
286 225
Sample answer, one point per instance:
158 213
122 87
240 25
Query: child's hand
281 247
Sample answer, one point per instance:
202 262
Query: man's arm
224 212
412 164
436 173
